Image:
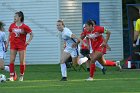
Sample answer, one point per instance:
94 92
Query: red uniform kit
96 38
18 36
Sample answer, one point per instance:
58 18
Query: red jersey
97 32
18 34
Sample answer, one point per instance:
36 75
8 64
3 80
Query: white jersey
2 46
66 35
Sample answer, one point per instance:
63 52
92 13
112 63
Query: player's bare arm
31 37
79 40
107 38
136 34
7 44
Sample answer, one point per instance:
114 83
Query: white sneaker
21 78
82 60
89 79
10 79
118 65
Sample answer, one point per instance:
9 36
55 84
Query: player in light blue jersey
3 48
69 39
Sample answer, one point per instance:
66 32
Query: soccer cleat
64 79
82 60
21 78
89 79
104 70
10 79
15 76
118 65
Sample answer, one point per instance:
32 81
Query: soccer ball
2 78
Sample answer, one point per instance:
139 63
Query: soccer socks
22 69
12 69
98 65
6 68
110 63
63 70
92 70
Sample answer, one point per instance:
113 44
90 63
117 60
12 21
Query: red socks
110 63
22 69
12 69
92 70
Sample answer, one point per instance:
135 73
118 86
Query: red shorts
17 47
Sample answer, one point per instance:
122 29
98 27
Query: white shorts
2 55
73 52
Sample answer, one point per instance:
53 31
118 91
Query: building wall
41 16
110 17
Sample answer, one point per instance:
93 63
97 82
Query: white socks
82 60
63 70
98 65
6 68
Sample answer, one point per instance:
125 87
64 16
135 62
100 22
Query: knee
62 61
93 60
12 60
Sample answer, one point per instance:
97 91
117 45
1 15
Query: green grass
46 79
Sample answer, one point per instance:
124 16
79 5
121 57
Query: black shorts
85 52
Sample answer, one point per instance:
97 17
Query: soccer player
85 56
137 31
98 44
69 39
3 48
17 38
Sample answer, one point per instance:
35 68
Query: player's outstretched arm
79 40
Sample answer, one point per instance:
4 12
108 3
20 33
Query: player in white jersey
3 48
69 39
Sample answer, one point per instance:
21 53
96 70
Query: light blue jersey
66 35
2 46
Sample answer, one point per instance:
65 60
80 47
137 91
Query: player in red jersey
17 38
98 44
85 56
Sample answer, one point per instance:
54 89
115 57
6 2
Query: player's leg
75 54
64 57
102 61
112 63
94 56
74 62
84 57
1 64
88 65
22 57
12 66
2 67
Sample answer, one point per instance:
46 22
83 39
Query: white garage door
41 16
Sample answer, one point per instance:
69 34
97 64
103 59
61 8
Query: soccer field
46 79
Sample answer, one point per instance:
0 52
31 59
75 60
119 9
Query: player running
98 44
69 39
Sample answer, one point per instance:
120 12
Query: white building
41 16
